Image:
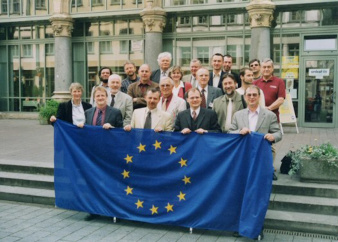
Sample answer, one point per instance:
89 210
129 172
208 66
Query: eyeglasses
252 65
252 94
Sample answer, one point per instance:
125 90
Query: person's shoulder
113 110
125 96
86 105
218 99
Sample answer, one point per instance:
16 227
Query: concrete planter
318 171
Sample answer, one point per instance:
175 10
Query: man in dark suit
217 72
227 65
102 114
164 61
196 119
209 93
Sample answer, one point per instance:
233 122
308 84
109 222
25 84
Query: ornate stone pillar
261 16
62 25
154 19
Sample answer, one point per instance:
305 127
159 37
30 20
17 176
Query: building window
185 56
49 49
96 2
116 2
105 47
16 6
90 47
15 50
4 8
203 55
230 19
297 16
231 50
202 20
125 46
76 3
276 54
138 1
27 50
126 31
199 1
179 2
184 20
40 4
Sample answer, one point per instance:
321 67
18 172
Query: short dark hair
243 70
227 55
154 90
102 68
217 54
254 60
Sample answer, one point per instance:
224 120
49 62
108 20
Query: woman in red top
180 87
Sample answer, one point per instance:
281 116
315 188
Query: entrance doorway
318 97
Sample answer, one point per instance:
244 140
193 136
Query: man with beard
226 105
227 65
246 76
130 70
104 74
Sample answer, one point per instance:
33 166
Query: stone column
62 25
154 19
261 16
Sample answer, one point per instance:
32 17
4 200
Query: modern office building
47 44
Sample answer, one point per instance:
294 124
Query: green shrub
49 109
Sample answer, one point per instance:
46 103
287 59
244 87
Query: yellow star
129 190
183 162
157 145
141 148
139 204
181 196
125 174
186 180
169 207
153 210
129 159
172 149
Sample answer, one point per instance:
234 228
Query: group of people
164 100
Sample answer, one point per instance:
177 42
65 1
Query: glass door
318 92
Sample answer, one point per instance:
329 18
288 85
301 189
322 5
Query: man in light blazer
210 93
169 102
150 117
120 100
232 98
256 119
196 119
103 115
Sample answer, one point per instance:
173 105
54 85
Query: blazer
188 78
124 103
113 116
213 93
221 105
65 110
176 105
156 76
135 92
211 77
266 123
159 119
206 119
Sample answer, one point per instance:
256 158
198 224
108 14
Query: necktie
229 115
164 105
112 100
203 103
163 74
99 119
194 115
147 123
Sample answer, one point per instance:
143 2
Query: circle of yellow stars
129 190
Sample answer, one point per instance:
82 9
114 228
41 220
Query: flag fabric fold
211 181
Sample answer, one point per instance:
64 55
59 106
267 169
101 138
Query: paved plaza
26 140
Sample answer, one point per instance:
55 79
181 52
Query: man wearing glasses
255 67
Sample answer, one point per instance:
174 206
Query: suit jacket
266 123
213 93
221 105
176 105
238 79
211 77
135 92
188 78
124 103
113 116
65 110
159 119
156 76
206 119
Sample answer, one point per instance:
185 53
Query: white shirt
177 89
78 114
253 118
215 79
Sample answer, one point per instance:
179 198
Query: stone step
27 195
305 204
31 167
301 222
292 186
27 180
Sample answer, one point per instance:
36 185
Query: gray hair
252 87
75 86
267 60
167 78
196 61
163 55
114 76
